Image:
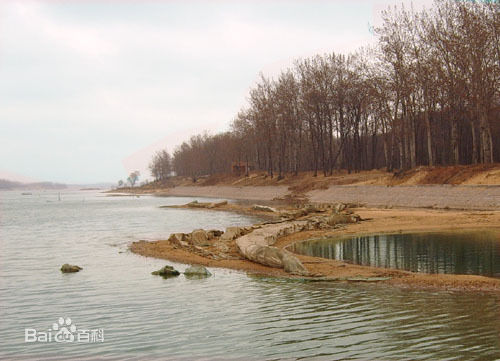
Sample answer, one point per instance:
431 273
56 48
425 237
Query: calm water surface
440 252
229 316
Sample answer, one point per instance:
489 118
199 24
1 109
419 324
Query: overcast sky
90 89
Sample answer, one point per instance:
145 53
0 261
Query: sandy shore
418 196
264 193
410 220
376 220
428 196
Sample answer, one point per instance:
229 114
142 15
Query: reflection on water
228 316
454 253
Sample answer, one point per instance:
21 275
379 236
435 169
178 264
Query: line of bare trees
427 94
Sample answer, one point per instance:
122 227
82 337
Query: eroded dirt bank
373 221
455 187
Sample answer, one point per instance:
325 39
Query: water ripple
228 316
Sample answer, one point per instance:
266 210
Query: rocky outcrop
179 239
258 207
197 271
69 268
209 244
256 243
257 246
199 238
232 233
167 271
214 233
317 208
196 204
217 204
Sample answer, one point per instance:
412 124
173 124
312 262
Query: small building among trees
240 168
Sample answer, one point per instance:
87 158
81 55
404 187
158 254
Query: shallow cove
468 252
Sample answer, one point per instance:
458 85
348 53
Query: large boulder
292 265
266 255
199 238
167 271
69 268
197 271
232 233
275 257
258 247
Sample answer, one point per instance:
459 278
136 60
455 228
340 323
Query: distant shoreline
471 197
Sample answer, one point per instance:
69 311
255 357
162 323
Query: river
230 315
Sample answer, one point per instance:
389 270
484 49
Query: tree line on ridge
427 94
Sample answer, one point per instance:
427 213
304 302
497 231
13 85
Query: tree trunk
386 153
454 141
474 142
486 141
413 146
429 139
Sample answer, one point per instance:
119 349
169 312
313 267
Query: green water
445 252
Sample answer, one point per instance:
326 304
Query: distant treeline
11 185
427 94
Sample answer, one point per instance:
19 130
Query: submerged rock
197 270
69 268
167 271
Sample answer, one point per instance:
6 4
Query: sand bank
428 196
474 197
375 221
